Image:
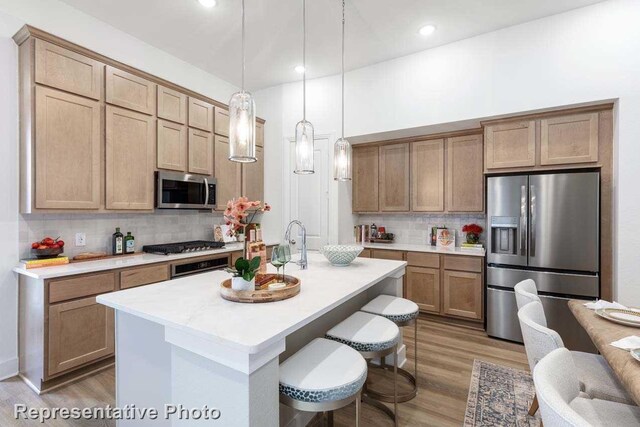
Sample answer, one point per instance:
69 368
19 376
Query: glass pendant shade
242 128
342 160
304 148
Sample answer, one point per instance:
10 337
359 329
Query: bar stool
323 376
402 312
373 337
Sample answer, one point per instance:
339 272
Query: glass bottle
118 242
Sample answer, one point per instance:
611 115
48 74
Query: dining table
603 332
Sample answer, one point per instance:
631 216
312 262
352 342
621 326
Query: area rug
499 396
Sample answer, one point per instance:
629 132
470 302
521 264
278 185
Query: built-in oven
188 267
175 190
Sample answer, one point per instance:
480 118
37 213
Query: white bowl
341 255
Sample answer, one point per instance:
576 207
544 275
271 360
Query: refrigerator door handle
532 234
523 220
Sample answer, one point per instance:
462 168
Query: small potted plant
472 232
244 274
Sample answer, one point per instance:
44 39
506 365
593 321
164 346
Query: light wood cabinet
510 145
462 294
228 174
427 176
221 121
172 146
130 91
80 332
259 134
81 286
465 178
200 115
253 177
569 139
423 288
63 69
130 157
200 152
365 179
387 254
68 151
172 105
146 275
394 178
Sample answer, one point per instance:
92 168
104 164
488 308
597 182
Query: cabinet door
387 254
130 153
172 146
569 139
80 332
221 121
201 115
510 145
260 134
423 288
60 68
67 151
200 152
465 178
253 177
172 105
462 294
394 178
365 179
427 176
228 174
130 91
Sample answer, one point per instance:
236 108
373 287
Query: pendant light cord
304 61
242 45
342 69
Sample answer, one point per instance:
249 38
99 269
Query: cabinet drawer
144 276
387 254
420 259
366 253
463 263
76 287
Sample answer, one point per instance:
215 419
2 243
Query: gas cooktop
178 248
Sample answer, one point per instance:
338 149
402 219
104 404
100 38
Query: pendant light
242 120
304 129
342 148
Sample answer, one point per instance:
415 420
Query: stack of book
43 262
471 245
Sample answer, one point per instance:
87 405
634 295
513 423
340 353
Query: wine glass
282 255
275 261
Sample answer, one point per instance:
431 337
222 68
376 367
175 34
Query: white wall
585 55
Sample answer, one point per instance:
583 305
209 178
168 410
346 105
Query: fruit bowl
341 255
47 253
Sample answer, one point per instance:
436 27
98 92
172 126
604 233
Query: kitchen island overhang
189 346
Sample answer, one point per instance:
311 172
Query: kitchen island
179 343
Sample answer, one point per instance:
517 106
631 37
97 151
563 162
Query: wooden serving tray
381 241
262 292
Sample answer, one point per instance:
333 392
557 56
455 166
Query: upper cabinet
172 105
228 174
569 139
200 152
427 176
365 178
253 177
259 134
465 178
200 115
130 91
394 178
510 145
172 146
63 69
221 121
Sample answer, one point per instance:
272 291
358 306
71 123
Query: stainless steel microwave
175 190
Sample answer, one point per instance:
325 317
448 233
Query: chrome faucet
303 251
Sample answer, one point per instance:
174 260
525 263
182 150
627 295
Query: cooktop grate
182 247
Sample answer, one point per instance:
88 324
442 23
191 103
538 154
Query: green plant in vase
244 274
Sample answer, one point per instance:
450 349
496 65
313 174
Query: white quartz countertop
425 248
193 304
117 262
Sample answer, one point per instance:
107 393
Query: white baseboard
8 368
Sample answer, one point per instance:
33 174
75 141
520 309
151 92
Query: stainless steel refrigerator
545 228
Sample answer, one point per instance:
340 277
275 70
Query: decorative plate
624 317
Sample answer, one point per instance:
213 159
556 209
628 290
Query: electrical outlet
81 239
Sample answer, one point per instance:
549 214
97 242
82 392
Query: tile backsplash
415 228
159 227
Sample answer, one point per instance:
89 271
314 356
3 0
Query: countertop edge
458 251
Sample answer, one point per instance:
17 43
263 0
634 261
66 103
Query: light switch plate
81 239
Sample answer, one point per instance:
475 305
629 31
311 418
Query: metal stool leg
415 352
395 384
358 408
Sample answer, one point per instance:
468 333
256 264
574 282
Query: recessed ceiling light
427 30
299 69
208 3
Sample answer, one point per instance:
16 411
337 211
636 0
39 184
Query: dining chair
526 292
595 377
563 404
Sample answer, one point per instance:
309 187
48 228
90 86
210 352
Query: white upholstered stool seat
393 308
323 370
597 379
365 332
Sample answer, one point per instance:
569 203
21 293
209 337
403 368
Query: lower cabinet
80 331
423 288
462 294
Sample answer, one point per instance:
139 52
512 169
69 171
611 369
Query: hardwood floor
446 355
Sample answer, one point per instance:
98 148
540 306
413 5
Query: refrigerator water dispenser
504 235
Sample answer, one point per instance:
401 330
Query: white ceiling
377 30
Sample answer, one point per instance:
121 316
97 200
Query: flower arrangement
473 232
236 213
